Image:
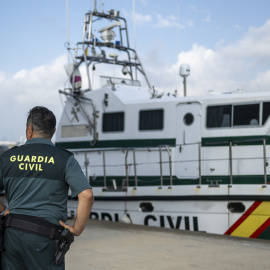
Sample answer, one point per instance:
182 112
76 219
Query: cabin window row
237 115
148 120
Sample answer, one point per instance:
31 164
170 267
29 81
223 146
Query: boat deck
107 245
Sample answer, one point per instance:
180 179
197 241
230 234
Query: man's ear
54 132
29 132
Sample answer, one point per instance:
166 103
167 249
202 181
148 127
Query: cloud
158 21
26 89
261 81
254 45
238 27
243 64
141 19
208 19
144 2
197 9
172 21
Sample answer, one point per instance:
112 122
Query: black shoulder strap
60 147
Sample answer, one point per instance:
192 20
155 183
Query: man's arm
2 207
4 210
86 200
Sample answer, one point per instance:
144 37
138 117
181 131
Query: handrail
160 149
160 166
230 160
264 161
135 169
126 165
170 164
200 164
161 163
104 169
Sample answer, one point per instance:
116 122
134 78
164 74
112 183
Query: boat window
266 111
188 119
146 207
151 120
74 131
236 207
243 115
219 116
247 114
113 122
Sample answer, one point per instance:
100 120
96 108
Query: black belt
35 225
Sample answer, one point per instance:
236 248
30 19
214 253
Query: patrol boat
186 163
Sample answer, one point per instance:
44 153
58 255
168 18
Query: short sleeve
75 177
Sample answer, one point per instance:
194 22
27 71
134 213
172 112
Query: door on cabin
188 140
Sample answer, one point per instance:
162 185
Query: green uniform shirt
37 176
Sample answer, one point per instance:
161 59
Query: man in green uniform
36 178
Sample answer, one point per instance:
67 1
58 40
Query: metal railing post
135 169
126 164
264 161
170 164
200 165
104 169
230 157
160 163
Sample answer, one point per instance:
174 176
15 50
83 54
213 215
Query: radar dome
184 70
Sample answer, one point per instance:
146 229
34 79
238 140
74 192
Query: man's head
40 123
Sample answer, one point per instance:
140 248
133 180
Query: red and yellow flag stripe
253 222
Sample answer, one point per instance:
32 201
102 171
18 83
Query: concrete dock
105 245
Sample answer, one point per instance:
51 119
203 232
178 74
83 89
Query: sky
225 43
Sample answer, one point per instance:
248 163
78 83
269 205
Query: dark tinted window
151 120
266 111
236 207
188 119
219 116
113 122
246 114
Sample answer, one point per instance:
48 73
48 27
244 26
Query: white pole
68 28
134 24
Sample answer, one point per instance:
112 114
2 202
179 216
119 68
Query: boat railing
106 80
166 162
231 144
130 161
166 147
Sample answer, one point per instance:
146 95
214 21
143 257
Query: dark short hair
42 121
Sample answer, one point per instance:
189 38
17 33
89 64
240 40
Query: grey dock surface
107 245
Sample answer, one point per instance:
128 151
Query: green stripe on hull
236 179
237 140
117 143
209 141
144 181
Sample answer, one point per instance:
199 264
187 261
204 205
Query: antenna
177 27
184 72
95 9
134 25
68 29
